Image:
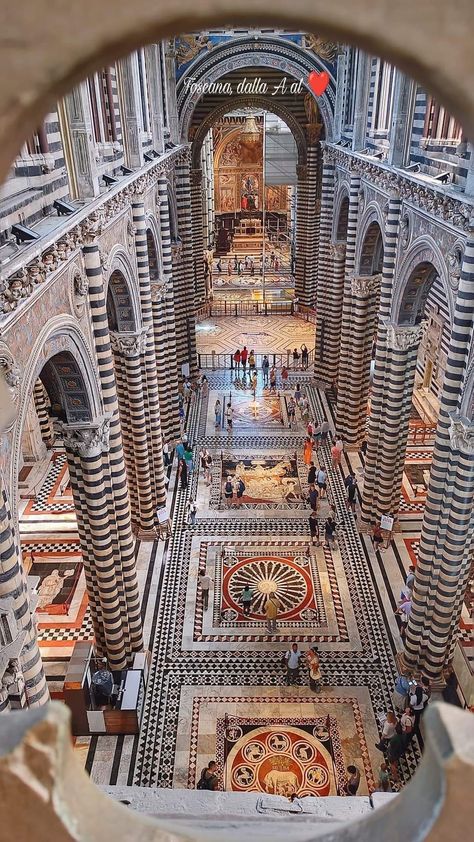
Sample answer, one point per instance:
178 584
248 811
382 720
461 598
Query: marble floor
265 334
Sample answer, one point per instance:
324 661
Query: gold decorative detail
327 50
189 46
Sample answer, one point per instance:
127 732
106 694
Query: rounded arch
260 51
266 103
153 249
122 295
173 212
341 214
369 257
61 335
423 262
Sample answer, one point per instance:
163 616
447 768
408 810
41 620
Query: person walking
180 450
243 358
313 499
240 490
401 692
271 613
205 581
314 529
321 481
296 358
419 698
192 509
237 360
304 357
188 457
246 600
312 474
403 611
407 721
317 435
330 533
308 451
388 730
353 780
254 383
395 750
335 456
325 428
166 454
217 414
265 367
284 376
291 410
229 414
183 474
219 266
350 483
208 462
292 658
228 491
252 360
314 666
273 379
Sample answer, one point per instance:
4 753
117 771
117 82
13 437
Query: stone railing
37 263
46 795
438 201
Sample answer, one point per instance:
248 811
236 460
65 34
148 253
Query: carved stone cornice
337 251
87 439
363 286
461 434
402 338
130 343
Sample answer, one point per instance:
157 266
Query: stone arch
62 334
423 262
173 213
264 102
467 399
261 52
154 248
123 301
370 247
341 215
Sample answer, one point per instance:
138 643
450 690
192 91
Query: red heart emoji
318 82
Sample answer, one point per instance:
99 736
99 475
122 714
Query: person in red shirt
237 360
243 357
335 456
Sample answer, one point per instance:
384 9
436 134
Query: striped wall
437 304
165 308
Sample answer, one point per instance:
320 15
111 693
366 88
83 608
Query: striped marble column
184 277
312 221
45 423
127 435
116 486
13 584
198 237
344 365
163 312
85 445
151 378
445 552
301 223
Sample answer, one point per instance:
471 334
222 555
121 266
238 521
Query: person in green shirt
246 599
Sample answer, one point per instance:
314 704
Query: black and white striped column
198 237
344 363
116 485
184 275
308 208
41 406
163 310
13 584
301 222
445 552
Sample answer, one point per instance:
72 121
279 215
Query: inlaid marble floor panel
263 334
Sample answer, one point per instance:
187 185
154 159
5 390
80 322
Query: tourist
187 389
312 474
246 261
407 721
273 379
410 579
321 481
304 357
310 429
246 600
240 490
272 258
353 780
188 456
271 613
292 659
192 509
243 358
296 358
314 666
219 266
237 360
403 612
308 451
313 499
265 367
314 529
401 691
204 386
305 410
183 474
229 267
325 428
181 416
291 409
239 267
384 779
284 376
218 414
252 267
350 483
229 414
317 435
395 750
205 582
330 533
420 695
297 394
377 537
450 692
252 360
388 730
335 456
228 491
254 384
209 779
339 444
166 454
236 262
180 450
208 467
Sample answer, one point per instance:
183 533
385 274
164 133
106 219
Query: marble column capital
130 343
461 433
362 286
92 227
402 338
88 438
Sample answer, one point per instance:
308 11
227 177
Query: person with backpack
252 360
228 491
420 695
265 367
209 779
240 490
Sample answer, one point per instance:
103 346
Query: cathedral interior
228 258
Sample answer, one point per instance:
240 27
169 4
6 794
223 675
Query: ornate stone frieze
158 290
363 286
461 433
454 261
131 231
87 439
405 231
80 289
10 370
130 344
402 338
337 250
